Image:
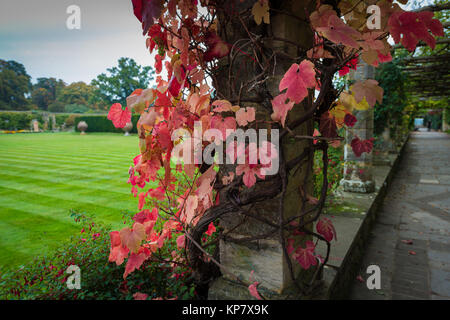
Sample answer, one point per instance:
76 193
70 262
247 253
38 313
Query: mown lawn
43 176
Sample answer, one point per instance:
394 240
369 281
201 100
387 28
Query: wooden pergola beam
434 8
423 44
444 57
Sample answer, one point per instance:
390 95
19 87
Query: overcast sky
34 33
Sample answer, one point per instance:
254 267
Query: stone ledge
353 219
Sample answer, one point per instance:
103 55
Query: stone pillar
265 256
358 176
35 125
445 119
384 149
54 122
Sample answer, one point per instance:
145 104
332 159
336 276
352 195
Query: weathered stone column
265 256
381 154
358 176
445 119
53 122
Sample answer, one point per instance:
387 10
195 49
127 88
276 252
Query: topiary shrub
100 123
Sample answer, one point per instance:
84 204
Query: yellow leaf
349 102
339 113
260 12
235 108
363 105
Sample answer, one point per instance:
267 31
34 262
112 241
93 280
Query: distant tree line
50 94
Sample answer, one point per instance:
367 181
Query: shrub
70 120
15 120
335 169
100 123
56 107
76 108
61 118
46 277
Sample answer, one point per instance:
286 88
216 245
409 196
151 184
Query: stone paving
410 241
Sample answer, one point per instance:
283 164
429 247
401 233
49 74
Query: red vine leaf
245 115
147 11
118 254
305 256
281 108
360 146
297 80
115 239
254 291
327 23
253 287
327 125
217 48
134 263
119 116
410 27
350 120
326 229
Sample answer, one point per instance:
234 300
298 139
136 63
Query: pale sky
34 33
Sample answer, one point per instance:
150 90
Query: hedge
18 120
100 123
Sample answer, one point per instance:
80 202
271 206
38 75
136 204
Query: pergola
429 76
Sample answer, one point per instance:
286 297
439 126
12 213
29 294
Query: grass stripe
43 176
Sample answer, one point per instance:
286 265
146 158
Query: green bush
46 277
100 123
56 106
335 169
76 108
61 118
16 120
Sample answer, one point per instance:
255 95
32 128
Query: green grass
43 176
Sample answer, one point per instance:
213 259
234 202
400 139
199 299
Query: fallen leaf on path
413 253
360 279
407 241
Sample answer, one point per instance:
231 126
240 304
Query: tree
119 82
42 98
80 93
15 84
45 91
265 60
